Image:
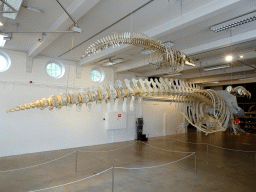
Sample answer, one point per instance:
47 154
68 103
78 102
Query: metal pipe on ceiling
245 64
107 27
8 12
38 32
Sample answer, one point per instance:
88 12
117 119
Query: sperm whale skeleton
208 110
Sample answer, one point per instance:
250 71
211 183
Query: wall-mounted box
116 120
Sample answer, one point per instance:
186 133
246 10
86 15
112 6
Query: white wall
35 130
154 114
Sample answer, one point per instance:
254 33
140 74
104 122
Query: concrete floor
225 170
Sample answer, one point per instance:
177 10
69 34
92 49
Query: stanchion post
76 160
113 179
195 165
172 145
207 154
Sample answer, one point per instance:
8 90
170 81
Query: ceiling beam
131 66
191 18
78 8
228 41
200 14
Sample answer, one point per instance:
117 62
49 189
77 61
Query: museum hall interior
127 96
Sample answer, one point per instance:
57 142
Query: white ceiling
187 26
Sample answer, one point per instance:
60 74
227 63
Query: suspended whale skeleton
161 55
207 110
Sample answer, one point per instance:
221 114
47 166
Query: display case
248 124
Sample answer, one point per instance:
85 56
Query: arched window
97 75
5 61
55 69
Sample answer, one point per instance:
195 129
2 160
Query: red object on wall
103 119
30 82
119 115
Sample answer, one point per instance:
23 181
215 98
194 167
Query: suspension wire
72 46
131 22
72 52
181 5
230 32
169 19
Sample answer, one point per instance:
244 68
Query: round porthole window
97 75
5 61
55 69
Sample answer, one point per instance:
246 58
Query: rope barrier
166 149
232 149
192 153
109 150
157 165
190 142
73 181
208 144
38 164
213 146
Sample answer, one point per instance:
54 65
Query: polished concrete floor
225 170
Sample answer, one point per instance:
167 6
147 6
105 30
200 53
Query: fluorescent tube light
216 67
2 40
146 51
211 82
176 74
118 60
234 22
247 78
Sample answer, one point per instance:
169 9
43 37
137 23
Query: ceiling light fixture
229 58
247 78
241 56
1 24
234 22
210 82
2 40
216 67
175 74
113 62
145 51
33 8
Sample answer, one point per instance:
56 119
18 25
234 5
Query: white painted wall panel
160 118
116 120
34 130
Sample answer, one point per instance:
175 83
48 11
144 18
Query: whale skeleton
161 55
208 110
